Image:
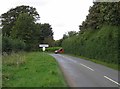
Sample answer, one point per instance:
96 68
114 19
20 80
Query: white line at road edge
112 80
86 66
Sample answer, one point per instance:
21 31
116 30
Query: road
82 73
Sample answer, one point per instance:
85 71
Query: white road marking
69 59
92 70
80 63
86 66
112 80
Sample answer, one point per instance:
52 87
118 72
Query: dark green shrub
18 45
9 45
6 44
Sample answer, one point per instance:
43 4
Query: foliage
102 13
0 42
20 70
25 30
98 35
23 27
46 31
49 40
9 18
46 34
72 33
18 45
20 23
58 43
52 49
100 44
65 36
9 45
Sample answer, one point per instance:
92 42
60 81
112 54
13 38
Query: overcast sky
62 15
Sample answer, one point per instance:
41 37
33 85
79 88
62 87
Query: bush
9 45
18 45
6 44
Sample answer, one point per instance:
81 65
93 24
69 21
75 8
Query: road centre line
69 59
112 80
93 70
80 64
86 66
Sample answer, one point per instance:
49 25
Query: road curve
82 73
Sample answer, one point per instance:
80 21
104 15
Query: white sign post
43 46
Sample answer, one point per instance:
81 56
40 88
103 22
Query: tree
38 33
49 40
20 23
9 18
102 13
72 33
69 34
25 30
65 36
24 27
46 31
58 43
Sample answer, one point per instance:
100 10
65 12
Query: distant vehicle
59 51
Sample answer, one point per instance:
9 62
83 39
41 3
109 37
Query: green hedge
52 49
9 45
99 44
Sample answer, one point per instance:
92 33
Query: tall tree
46 31
72 33
102 13
8 19
25 29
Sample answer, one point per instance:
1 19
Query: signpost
43 46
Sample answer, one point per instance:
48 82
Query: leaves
102 13
9 18
20 23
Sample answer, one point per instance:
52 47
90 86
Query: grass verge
33 69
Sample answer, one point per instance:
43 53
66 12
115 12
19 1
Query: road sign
43 46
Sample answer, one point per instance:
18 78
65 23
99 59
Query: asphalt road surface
82 73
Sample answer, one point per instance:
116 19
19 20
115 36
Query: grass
34 69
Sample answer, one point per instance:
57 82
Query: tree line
21 31
102 13
98 37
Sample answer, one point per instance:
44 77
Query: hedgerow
101 44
